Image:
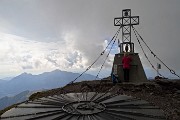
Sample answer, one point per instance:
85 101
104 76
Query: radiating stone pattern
85 106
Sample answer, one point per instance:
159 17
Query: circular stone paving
85 106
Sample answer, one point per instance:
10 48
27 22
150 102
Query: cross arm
126 21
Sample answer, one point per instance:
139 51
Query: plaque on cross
126 21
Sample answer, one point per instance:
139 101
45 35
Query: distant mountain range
18 88
47 80
2 81
7 101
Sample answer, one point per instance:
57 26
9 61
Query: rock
178 91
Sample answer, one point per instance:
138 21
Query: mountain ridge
7 101
46 80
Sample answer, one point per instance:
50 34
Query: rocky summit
162 93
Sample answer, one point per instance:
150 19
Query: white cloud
74 32
19 54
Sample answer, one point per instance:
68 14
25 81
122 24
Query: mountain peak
56 70
25 73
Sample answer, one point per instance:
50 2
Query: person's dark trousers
126 75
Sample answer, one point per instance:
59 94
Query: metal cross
126 21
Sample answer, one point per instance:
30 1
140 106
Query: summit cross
126 21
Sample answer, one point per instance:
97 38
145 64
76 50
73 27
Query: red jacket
126 62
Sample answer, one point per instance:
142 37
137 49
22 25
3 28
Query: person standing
126 60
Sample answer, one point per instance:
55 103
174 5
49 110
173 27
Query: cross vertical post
126 21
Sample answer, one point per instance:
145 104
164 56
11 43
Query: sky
43 35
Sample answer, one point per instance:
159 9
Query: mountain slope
7 101
47 80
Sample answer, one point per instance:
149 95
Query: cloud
71 34
21 54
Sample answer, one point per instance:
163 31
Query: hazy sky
43 35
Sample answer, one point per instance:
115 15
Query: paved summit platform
85 106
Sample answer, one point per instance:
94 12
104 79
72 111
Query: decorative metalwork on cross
126 21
